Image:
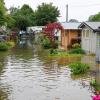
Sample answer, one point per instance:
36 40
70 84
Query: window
87 33
83 33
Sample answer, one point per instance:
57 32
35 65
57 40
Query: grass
64 54
79 68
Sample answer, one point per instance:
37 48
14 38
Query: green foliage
21 22
10 44
28 13
95 17
46 13
53 51
93 82
76 51
3 46
2 12
10 21
46 43
79 68
23 17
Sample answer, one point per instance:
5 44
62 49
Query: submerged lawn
64 55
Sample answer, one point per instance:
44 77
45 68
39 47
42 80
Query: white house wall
98 48
88 40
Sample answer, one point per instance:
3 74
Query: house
35 29
98 45
70 34
90 37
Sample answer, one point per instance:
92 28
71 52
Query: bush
3 46
46 43
53 51
93 82
10 44
76 51
79 68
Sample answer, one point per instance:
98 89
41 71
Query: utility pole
67 13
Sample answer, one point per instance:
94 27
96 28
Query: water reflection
3 94
28 74
24 43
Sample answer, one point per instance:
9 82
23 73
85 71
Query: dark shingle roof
92 25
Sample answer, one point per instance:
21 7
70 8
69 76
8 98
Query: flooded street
28 74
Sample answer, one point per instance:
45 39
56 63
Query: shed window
87 33
83 33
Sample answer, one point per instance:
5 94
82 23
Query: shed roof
92 25
70 25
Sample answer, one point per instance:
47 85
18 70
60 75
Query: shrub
93 82
3 46
76 51
10 44
79 68
46 43
53 51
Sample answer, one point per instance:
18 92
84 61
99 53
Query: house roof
70 25
92 25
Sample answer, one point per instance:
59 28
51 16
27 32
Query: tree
46 13
73 20
23 17
21 22
27 11
95 17
13 10
2 12
10 21
49 31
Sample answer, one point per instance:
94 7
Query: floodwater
26 73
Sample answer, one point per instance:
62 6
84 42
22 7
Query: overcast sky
77 9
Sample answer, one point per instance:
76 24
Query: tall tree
13 10
46 13
23 17
2 12
95 17
28 12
